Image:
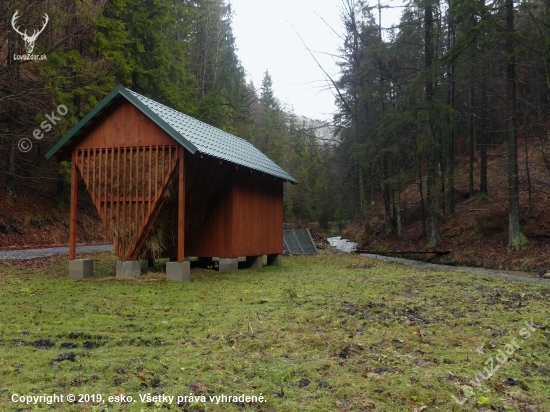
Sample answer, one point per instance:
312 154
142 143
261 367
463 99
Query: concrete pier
178 271
228 264
81 268
254 262
131 268
275 260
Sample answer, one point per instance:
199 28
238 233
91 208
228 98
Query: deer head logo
29 40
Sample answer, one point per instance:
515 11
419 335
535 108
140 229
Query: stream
342 244
345 245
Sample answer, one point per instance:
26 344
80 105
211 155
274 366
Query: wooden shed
169 186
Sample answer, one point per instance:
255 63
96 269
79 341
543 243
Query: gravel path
36 253
499 274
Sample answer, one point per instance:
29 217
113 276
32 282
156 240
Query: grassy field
331 332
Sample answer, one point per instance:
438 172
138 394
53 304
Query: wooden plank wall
125 126
208 227
257 214
247 220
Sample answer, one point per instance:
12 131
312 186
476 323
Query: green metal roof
191 133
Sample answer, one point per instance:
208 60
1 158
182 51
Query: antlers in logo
29 40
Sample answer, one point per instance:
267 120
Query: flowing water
342 244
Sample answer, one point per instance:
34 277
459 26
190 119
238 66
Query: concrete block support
130 268
81 268
275 260
144 266
178 271
228 264
254 262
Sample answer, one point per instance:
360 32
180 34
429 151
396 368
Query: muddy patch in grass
384 313
303 383
408 309
43 344
91 344
66 357
383 370
140 342
349 350
78 335
87 340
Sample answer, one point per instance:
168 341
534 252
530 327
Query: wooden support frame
157 201
135 186
117 220
100 185
137 197
72 210
111 205
181 204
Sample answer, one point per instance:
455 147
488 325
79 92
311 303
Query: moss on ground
332 332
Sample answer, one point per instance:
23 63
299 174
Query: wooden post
72 211
181 204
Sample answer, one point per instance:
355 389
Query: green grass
331 332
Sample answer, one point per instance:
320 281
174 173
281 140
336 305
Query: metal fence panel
298 242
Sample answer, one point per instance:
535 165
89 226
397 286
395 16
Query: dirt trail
499 274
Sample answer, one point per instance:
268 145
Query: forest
453 85
456 77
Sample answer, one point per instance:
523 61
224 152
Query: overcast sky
266 39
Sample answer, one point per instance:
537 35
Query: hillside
35 218
477 233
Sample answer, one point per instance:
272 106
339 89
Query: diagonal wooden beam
151 217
